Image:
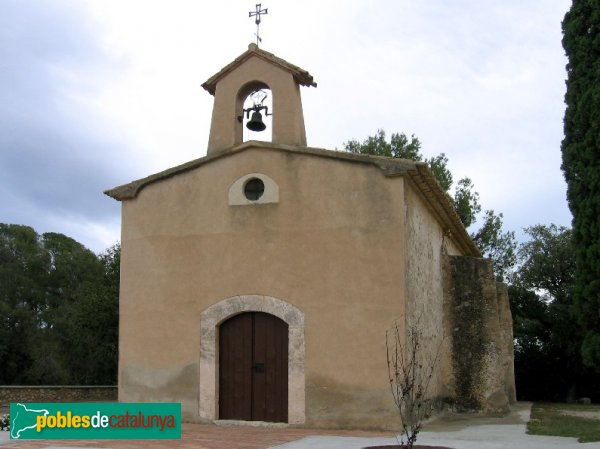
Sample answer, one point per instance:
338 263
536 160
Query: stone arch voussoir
213 316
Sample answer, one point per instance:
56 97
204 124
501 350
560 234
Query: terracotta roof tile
301 76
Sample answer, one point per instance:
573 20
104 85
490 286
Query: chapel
258 281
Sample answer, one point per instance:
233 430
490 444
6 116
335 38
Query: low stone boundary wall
57 393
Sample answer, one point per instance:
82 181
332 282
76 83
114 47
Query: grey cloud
55 155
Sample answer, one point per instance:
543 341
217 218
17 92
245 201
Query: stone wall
506 341
426 243
479 325
53 393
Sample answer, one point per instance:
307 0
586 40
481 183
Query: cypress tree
581 163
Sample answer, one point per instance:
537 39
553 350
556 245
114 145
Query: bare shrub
410 373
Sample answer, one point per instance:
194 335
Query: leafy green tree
466 202
96 355
399 146
72 268
439 167
531 332
22 269
581 162
548 263
89 329
548 362
86 311
500 246
58 309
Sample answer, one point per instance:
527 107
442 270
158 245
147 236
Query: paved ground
458 432
196 436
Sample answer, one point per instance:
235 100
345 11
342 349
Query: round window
253 189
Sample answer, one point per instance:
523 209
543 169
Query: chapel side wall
478 316
330 248
425 246
506 342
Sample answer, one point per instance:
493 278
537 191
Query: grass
554 420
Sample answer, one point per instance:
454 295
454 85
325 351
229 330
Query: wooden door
253 368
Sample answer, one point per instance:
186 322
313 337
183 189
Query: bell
256 123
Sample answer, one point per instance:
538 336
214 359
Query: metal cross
257 13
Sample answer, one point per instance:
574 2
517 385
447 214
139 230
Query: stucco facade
338 246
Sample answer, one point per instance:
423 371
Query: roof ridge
418 172
300 75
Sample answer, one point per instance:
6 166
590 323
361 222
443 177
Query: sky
97 93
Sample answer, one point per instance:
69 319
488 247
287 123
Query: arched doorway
210 322
253 368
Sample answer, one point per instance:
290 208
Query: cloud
97 93
52 144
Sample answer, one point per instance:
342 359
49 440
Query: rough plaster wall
331 247
424 281
480 355
176 384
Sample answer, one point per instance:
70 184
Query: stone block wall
51 393
479 327
506 341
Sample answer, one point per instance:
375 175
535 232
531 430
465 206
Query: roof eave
418 173
442 206
389 166
301 76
